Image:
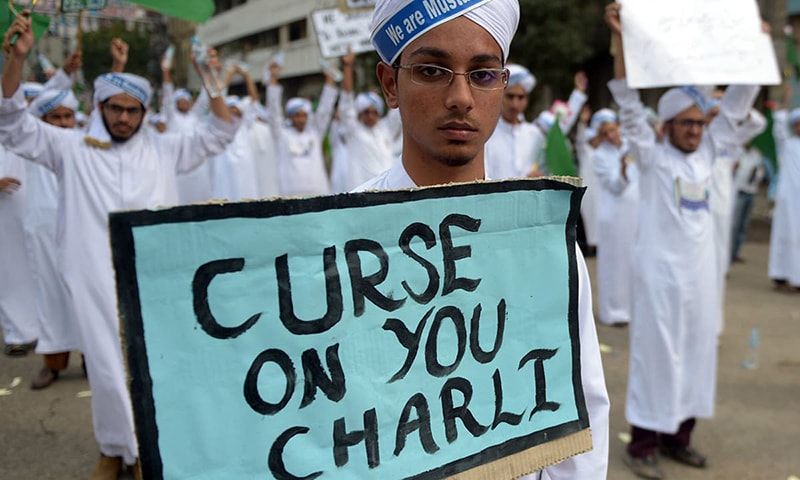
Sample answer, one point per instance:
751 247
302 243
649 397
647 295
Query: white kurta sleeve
167 105
577 100
592 464
633 120
59 81
209 139
325 109
780 129
608 168
32 139
728 127
275 110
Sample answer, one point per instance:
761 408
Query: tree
96 57
556 38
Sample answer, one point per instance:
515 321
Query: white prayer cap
110 84
232 101
49 100
80 117
181 93
297 104
369 99
604 115
31 89
521 76
678 99
794 116
390 28
591 133
545 120
261 112
157 118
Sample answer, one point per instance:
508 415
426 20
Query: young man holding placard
447 81
676 307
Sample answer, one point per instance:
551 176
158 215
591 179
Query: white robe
93 182
590 465
17 289
514 150
57 330
368 150
301 167
589 201
339 176
265 154
234 172
194 186
676 308
618 207
784 246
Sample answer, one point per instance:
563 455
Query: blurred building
254 31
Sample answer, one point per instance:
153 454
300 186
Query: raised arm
62 79
577 100
216 104
327 102
119 55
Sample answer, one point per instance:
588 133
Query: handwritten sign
690 42
338 30
394 335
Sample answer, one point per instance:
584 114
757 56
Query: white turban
110 84
105 87
369 99
80 117
181 93
794 116
521 76
297 104
49 100
157 118
678 99
604 115
390 34
31 89
232 101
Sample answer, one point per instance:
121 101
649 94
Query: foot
19 349
44 378
644 467
107 468
685 455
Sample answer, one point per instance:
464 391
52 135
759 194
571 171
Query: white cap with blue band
396 23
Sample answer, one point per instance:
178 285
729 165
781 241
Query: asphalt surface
755 433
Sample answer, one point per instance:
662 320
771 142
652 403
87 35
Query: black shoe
644 467
19 349
685 455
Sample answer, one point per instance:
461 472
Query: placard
696 42
416 334
337 30
347 5
72 6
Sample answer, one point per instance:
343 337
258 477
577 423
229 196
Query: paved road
755 434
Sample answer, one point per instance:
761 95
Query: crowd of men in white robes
668 199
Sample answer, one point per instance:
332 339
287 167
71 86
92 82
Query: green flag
40 23
557 153
197 11
765 142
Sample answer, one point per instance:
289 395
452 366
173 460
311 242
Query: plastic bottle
751 358
208 74
166 62
45 63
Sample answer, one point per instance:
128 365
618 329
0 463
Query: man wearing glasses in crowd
116 165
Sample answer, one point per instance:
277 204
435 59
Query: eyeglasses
436 76
115 109
688 123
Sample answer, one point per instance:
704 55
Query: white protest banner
337 30
421 334
696 42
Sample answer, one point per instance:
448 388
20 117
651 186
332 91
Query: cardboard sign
395 335
690 42
337 30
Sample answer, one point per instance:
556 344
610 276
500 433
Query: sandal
685 455
19 349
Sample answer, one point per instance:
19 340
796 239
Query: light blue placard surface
206 429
